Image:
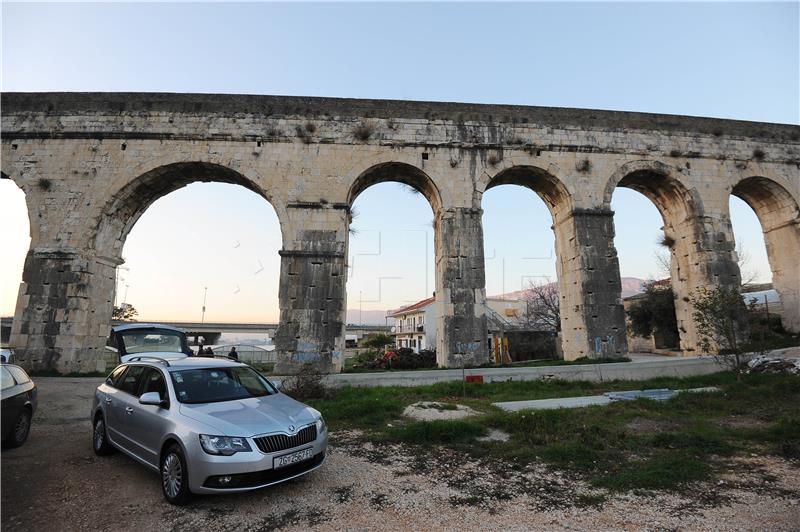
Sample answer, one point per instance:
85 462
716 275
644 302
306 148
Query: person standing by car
233 355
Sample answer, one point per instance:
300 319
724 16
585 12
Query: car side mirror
151 398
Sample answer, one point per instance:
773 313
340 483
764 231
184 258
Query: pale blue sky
730 60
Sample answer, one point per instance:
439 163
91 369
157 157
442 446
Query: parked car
152 339
18 404
206 425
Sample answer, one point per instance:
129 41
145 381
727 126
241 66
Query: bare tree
542 302
748 274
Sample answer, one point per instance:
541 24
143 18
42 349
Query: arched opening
14 243
522 274
192 243
778 215
655 245
391 274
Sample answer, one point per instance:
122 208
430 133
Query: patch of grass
435 432
665 471
783 438
264 368
627 445
360 407
586 500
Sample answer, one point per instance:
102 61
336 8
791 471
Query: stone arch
127 204
400 172
552 191
124 205
542 182
779 214
33 222
656 181
700 252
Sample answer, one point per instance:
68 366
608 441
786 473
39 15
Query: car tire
175 476
100 443
22 427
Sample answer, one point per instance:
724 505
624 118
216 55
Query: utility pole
360 317
125 299
203 317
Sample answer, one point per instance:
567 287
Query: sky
728 60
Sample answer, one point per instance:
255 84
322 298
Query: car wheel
21 429
175 476
99 438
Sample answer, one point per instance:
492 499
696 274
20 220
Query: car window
115 375
129 383
19 374
7 379
211 385
153 381
150 340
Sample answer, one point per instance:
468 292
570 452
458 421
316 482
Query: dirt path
55 482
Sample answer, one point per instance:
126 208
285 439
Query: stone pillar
592 315
702 256
460 288
63 312
783 250
312 289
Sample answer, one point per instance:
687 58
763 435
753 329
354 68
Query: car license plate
292 458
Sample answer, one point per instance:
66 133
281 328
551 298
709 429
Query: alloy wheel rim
172 475
21 427
99 429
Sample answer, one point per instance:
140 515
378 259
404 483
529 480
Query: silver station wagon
206 425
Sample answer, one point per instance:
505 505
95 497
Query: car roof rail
149 359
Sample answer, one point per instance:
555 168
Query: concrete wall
91 164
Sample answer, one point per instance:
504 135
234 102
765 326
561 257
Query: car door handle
108 400
128 410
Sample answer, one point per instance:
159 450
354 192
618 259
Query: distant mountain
630 286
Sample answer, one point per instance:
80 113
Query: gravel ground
55 482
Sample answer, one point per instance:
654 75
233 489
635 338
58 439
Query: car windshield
149 340
213 385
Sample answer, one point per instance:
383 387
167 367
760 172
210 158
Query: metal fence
250 354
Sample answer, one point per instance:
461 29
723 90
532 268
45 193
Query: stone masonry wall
90 164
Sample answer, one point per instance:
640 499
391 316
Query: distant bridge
211 331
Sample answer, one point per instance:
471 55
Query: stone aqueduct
90 164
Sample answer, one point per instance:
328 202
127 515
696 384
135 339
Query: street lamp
203 317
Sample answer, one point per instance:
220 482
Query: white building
415 325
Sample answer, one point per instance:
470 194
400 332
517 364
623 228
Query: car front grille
280 442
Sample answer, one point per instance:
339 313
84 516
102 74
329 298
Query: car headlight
224 445
320 425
